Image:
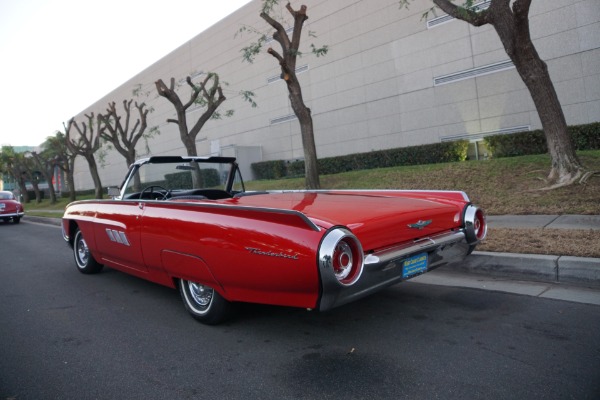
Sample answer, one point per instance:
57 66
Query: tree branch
280 35
299 18
475 18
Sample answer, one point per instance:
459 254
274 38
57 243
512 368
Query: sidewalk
545 221
532 267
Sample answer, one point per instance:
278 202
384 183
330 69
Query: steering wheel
151 188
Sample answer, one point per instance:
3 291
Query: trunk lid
378 219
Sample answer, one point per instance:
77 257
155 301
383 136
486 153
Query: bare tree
29 171
290 50
511 23
123 133
65 159
86 144
207 94
46 164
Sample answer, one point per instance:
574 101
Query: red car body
10 208
309 249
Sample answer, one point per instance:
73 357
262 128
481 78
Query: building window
282 119
473 72
432 23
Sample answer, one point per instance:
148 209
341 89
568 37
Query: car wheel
204 303
16 220
86 264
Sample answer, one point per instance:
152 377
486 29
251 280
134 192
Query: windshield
184 177
6 196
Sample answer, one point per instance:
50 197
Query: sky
57 57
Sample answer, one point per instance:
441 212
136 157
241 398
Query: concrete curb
42 220
533 267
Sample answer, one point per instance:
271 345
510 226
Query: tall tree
207 94
123 133
65 159
29 171
46 164
290 50
510 19
86 143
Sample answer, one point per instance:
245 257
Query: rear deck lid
377 219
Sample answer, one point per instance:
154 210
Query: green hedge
270 169
426 154
415 155
584 137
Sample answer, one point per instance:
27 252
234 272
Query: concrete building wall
388 81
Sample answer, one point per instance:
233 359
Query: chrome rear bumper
12 215
385 268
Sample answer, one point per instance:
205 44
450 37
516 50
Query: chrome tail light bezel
475 224
341 256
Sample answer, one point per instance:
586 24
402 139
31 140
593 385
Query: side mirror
114 193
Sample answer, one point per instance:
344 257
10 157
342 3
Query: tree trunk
36 190
566 167
67 166
513 30
52 192
23 190
47 168
512 27
287 62
95 177
71 185
303 113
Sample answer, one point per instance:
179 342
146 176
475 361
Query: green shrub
586 137
426 154
516 144
583 137
269 169
295 169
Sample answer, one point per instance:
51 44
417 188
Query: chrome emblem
420 224
117 236
281 254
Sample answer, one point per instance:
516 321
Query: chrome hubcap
82 251
201 294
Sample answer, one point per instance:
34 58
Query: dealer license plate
414 265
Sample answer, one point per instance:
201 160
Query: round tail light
475 224
341 254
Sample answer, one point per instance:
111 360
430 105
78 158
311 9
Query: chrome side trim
310 224
462 193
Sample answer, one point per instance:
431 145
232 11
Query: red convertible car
10 208
188 223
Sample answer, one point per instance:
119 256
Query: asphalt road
64 335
